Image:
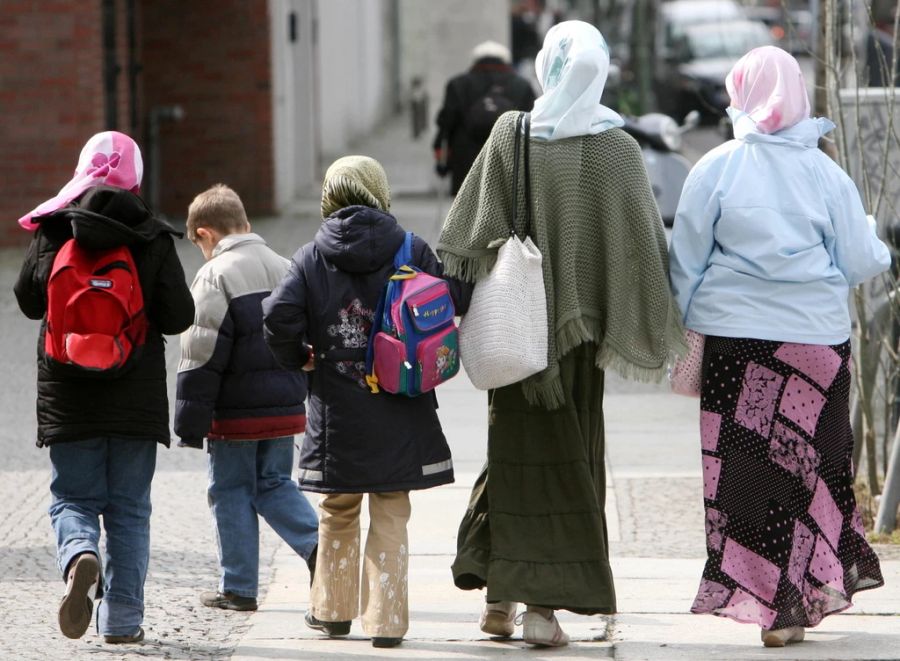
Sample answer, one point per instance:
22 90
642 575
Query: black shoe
228 601
333 629
76 607
386 642
311 564
124 640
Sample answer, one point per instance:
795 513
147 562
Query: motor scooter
660 138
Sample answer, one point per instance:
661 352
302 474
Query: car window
680 16
726 40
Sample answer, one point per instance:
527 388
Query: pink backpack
414 342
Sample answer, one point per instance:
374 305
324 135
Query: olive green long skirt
535 529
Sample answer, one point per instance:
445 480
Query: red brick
209 56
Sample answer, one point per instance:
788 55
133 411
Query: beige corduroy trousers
383 600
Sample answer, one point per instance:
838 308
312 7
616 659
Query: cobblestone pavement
183 558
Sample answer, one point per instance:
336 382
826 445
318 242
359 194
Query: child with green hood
356 442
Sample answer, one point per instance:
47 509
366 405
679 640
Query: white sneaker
539 630
498 619
781 637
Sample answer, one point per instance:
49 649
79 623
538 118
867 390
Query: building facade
252 93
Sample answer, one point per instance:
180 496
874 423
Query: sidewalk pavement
652 439
654 512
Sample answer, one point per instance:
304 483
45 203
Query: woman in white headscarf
535 530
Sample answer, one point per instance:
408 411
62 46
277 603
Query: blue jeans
247 478
106 477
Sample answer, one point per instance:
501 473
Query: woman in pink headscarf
769 237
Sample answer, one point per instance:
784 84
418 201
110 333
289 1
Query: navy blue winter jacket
229 384
355 441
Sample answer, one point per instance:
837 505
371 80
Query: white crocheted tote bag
686 374
503 336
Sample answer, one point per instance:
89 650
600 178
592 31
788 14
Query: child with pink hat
109 158
101 426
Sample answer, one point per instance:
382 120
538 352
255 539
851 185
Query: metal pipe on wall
110 66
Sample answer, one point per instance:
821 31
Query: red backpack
95 308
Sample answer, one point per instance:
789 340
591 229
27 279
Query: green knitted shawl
605 260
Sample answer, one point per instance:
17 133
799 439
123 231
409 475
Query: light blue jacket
769 237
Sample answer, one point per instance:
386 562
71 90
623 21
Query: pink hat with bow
109 158
767 84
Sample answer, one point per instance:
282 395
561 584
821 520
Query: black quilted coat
73 406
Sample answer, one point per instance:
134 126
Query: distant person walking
769 237
535 529
101 385
472 103
233 393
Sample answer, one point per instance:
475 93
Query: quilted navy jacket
355 441
229 384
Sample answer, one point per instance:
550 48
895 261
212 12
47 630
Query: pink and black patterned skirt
785 541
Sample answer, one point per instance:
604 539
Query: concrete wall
869 143
355 70
436 40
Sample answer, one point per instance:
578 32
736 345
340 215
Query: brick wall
212 58
209 56
51 83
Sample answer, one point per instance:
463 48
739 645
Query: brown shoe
125 640
76 607
228 601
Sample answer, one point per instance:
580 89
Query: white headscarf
572 68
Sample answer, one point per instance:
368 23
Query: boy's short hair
218 208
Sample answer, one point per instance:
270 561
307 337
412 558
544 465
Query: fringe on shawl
545 389
468 268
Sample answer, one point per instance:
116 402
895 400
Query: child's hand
311 363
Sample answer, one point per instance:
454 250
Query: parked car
676 17
791 29
693 75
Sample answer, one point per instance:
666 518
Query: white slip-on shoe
540 630
498 618
781 637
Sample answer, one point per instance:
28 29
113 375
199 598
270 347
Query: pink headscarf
767 84
109 158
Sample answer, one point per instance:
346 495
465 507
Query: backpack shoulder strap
404 254
377 321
